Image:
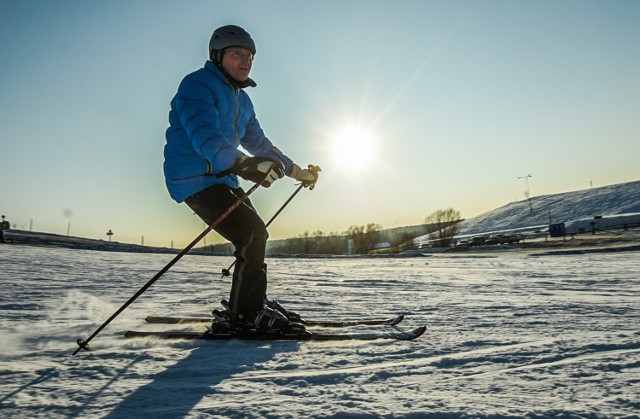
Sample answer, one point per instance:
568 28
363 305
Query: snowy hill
540 211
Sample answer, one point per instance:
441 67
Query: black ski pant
245 229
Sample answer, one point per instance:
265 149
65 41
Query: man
211 115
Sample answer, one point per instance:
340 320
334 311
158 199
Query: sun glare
353 148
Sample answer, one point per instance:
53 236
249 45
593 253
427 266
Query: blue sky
460 98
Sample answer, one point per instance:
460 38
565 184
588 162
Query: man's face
237 62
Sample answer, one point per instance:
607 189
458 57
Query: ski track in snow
508 335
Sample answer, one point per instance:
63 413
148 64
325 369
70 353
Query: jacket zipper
235 128
235 117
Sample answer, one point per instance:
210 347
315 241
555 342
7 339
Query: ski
392 321
304 336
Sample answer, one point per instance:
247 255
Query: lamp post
526 193
204 225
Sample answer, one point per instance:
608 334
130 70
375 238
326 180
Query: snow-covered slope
542 210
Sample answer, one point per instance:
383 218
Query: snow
510 334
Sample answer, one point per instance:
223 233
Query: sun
353 148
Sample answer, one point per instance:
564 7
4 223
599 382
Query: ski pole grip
314 171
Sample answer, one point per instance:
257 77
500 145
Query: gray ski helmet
231 36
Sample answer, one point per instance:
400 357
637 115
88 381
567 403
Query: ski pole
84 344
227 272
313 169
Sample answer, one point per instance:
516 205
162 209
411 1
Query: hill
540 211
36 238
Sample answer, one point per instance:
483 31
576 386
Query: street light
527 194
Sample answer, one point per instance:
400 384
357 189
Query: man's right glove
258 169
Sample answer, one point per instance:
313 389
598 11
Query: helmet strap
216 56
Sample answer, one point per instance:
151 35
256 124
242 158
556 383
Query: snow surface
509 335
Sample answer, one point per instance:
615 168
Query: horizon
344 232
408 107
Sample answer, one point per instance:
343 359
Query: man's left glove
258 169
308 177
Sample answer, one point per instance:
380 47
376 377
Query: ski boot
269 321
221 321
291 315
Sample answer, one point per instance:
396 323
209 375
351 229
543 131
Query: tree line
356 240
440 226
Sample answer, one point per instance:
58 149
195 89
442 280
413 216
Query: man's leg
246 230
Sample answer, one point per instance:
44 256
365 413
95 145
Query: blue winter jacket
208 120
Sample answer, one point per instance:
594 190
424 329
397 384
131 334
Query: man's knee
261 233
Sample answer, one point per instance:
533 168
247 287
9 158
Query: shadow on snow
175 391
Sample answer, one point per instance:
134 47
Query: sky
407 106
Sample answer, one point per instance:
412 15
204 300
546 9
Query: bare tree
356 234
446 224
364 238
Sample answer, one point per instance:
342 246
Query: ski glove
308 177
258 169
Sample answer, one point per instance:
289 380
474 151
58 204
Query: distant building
4 225
603 222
